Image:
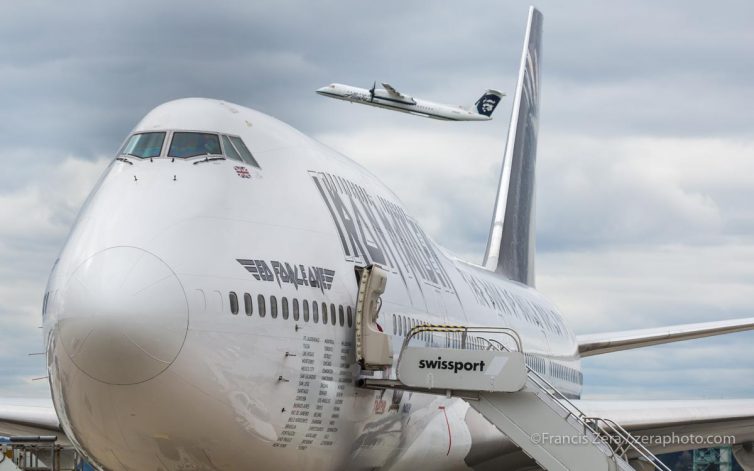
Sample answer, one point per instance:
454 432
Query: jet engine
744 454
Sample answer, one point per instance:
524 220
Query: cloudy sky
645 166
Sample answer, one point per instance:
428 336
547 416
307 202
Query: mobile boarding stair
496 381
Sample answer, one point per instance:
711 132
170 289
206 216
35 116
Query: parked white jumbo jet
390 98
203 315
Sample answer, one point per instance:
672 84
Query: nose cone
123 316
327 90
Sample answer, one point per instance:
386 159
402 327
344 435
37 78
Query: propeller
371 90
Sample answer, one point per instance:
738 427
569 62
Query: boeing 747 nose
123 316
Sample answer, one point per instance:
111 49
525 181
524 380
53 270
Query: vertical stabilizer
488 102
510 247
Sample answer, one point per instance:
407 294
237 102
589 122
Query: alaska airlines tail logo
486 105
284 272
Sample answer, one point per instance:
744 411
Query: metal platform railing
493 344
32 453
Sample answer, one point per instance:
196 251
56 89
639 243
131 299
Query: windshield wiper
210 158
123 159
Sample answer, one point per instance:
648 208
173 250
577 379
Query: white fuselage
382 99
151 369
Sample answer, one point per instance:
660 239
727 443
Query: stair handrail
584 420
631 441
561 400
465 330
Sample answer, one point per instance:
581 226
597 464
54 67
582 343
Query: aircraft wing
30 417
668 426
391 90
597 344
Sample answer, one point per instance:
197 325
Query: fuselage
200 315
382 99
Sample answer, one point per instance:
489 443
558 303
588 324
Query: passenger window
306 310
233 303
247 303
285 308
315 312
295 309
230 152
333 319
261 306
144 145
193 144
273 307
244 151
324 313
349 314
395 326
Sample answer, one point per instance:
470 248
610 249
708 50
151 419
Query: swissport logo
454 366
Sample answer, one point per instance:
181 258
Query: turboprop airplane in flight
389 98
235 295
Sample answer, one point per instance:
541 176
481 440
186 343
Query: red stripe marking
447 422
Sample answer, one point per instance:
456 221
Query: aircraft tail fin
487 103
510 246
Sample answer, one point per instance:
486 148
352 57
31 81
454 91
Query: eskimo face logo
488 103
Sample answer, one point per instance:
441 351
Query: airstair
487 367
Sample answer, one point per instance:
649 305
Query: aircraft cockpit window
194 144
230 152
144 145
244 151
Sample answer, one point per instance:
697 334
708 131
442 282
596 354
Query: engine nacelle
744 454
385 95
